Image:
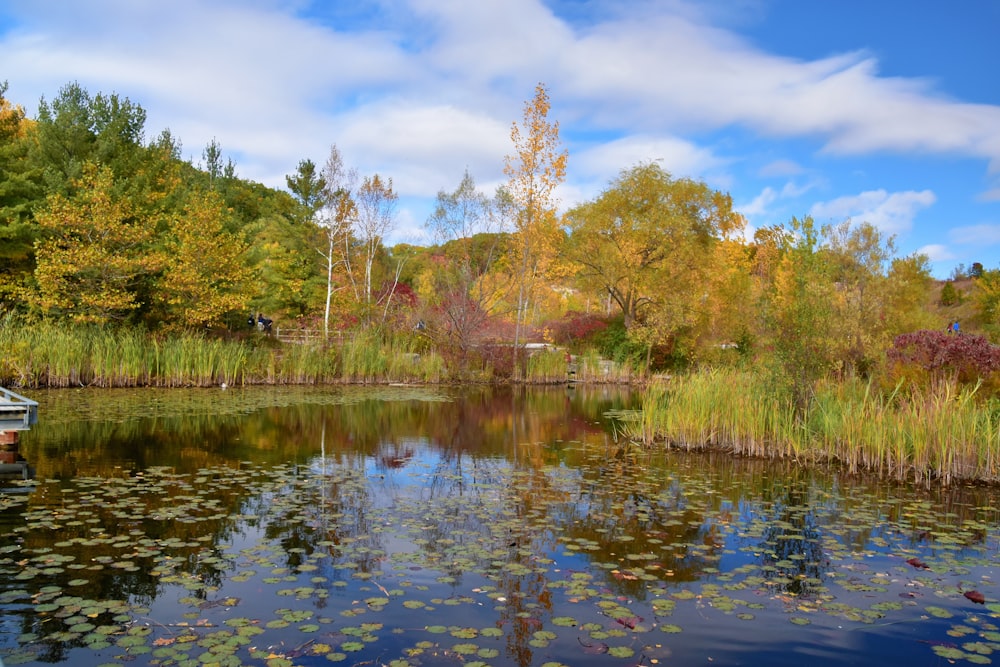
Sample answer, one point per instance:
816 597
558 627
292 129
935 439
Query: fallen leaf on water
975 596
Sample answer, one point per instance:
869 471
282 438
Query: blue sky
883 111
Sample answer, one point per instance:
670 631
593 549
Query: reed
547 367
937 433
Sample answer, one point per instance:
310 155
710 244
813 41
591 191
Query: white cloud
760 203
422 89
936 252
429 146
891 213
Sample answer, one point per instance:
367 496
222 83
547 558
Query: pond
453 526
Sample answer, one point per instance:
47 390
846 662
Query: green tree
307 185
95 254
20 190
949 296
77 128
801 315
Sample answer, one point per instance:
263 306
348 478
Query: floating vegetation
573 555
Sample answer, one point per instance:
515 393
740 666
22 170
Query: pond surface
409 526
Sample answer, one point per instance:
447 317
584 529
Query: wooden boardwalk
17 413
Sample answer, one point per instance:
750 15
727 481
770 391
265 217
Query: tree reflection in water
509 517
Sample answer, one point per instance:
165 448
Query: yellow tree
534 170
96 253
208 275
859 257
649 243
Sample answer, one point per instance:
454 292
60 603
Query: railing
17 413
303 336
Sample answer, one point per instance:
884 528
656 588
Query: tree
801 315
649 243
376 212
859 257
533 171
307 185
337 212
207 276
908 288
464 287
949 296
212 155
95 253
20 190
77 128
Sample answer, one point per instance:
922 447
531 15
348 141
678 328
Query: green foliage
949 296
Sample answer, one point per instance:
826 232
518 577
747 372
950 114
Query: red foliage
968 356
576 326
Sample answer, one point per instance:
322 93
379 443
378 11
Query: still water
412 526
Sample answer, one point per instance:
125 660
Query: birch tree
336 214
375 218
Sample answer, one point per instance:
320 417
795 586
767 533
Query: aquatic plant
938 432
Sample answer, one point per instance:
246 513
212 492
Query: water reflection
13 466
500 526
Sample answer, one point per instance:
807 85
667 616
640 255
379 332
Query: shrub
930 356
576 327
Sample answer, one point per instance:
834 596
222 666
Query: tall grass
547 367
936 433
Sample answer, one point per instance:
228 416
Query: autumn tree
207 276
534 170
463 285
909 285
337 211
859 256
650 243
96 254
986 294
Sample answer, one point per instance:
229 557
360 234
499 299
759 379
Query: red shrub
576 326
967 357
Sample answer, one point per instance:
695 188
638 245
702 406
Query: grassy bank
938 433
47 355
40 354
